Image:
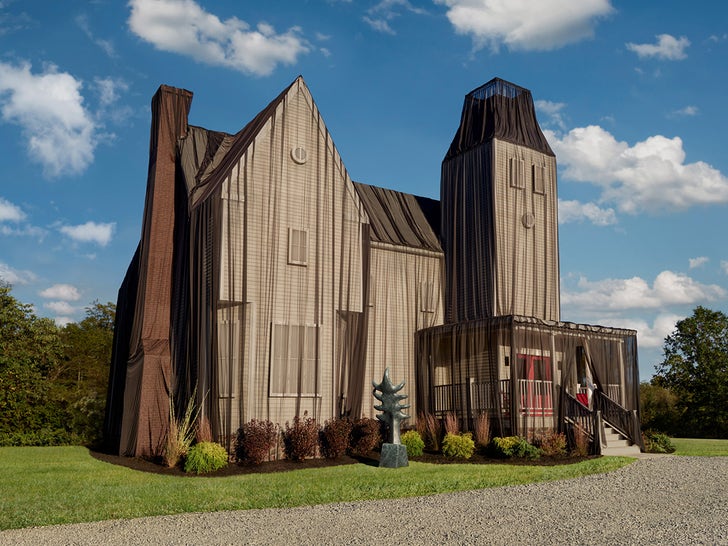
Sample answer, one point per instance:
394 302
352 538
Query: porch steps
617 445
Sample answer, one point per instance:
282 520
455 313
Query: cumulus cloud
60 307
575 211
10 212
700 261
666 48
652 335
65 292
668 288
59 131
522 25
380 15
182 26
90 232
650 175
16 276
553 112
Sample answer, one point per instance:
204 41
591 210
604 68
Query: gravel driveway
666 500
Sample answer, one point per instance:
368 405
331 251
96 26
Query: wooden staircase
615 444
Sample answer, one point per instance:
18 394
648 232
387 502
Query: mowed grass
700 448
52 485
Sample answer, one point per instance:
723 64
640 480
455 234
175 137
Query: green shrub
366 436
552 443
42 437
301 438
513 446
413 441
459 446
254 441
335 437
206 457
657 442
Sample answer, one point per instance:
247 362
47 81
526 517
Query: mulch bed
285 465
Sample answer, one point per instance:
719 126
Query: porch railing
579 415
536 397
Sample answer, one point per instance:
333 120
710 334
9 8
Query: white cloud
380 15
63 321
16 276
10 212
574 211
106 45
651 175
90 232
524 25
687 112
724 266
60 132
60 307
652 335
65 292
668 288
554 112
182 26
700 261
667 47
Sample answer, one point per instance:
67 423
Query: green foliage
513 446
206 457
695 369
254 441
552 443
42 437
335 437
414 443
365 436
301 438
657 442
180 432
460 446
659 409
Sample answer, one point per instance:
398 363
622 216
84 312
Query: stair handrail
621 419
579 414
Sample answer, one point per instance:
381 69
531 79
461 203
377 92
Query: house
267 284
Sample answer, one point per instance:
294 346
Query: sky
629 94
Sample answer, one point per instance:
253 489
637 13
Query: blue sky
631 96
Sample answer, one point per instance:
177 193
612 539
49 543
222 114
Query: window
297 246
294 360
229 350
427 297
517 173
539 179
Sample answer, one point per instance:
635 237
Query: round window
528 220
298 154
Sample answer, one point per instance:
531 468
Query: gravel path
667 500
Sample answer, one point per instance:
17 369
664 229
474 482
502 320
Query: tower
499 210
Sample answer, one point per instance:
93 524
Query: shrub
552 443
657 442
206 457
459 446
254 441
451 423
301 439
42 437
181 432
335 437
581 442
413 441
429 430
482 429
365 436
514 446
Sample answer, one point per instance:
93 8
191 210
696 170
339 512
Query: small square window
297 246
517 173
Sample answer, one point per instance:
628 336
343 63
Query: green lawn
49 485
702 448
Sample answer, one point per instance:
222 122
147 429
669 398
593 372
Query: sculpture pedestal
393 456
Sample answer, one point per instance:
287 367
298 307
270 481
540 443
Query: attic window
297 246
516 173
299 155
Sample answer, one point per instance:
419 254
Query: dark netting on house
529 375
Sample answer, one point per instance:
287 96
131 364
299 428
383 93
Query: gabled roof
400 218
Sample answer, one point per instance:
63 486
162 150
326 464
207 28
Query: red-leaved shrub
255 440
334 437
365 436
301 438
552 443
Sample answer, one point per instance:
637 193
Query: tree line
53 379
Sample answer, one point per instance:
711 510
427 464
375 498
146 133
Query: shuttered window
294 369
539 179
297 246
517 173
